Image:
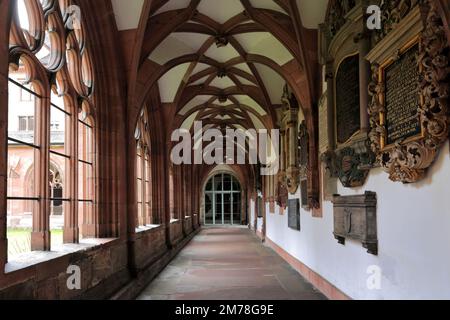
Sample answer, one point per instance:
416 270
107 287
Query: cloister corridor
229 263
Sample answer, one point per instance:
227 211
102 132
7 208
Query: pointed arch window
143 172
51 144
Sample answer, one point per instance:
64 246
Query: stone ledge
34 258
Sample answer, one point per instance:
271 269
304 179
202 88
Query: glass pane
85 181
20 172
209 185
19 226
208 208
139 215
85 147
218 183
139 190
45 53
58 122
57 224
236 185
227 182
139 167
148 212
57 180
236 208
227 208
21 111
85 222
58 101
218 212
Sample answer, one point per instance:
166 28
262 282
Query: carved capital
292 179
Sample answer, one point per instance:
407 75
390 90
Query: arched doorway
223 199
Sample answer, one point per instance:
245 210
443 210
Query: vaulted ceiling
225 62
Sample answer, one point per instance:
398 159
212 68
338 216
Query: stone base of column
40 241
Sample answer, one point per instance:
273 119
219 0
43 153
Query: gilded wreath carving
408 161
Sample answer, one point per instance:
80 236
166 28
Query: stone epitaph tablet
347 99
355 217
402 97
294 214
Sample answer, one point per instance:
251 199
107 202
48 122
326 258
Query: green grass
19 240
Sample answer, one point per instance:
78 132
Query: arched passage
223 200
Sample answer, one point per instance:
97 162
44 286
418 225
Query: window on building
223 200
86 191
42 211
143 172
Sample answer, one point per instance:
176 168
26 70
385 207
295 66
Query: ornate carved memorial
260 207
294 214
323 124
401 97
406 142
355 217
392 13
348 155
347 99
290 123
303 156
283 195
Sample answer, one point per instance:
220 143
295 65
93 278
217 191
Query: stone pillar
71 229
5 19
364 77
331 127
167 214
40 235
292 172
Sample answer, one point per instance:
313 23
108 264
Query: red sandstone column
5 19
40 235
70 231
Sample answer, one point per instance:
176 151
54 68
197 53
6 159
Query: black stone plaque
402 97
304 193
347 98
294 214
259 207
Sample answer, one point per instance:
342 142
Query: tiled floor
228 264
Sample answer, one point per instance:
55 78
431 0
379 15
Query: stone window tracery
143 171
50 85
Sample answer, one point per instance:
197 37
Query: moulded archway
223 198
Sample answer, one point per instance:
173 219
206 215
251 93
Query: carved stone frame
352 160
407 161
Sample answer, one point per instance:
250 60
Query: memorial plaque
303 146
323 124
294 214
259 207
402 97
347 98
304 193
355 217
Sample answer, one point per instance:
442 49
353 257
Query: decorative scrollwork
408 161
393 11
335 18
